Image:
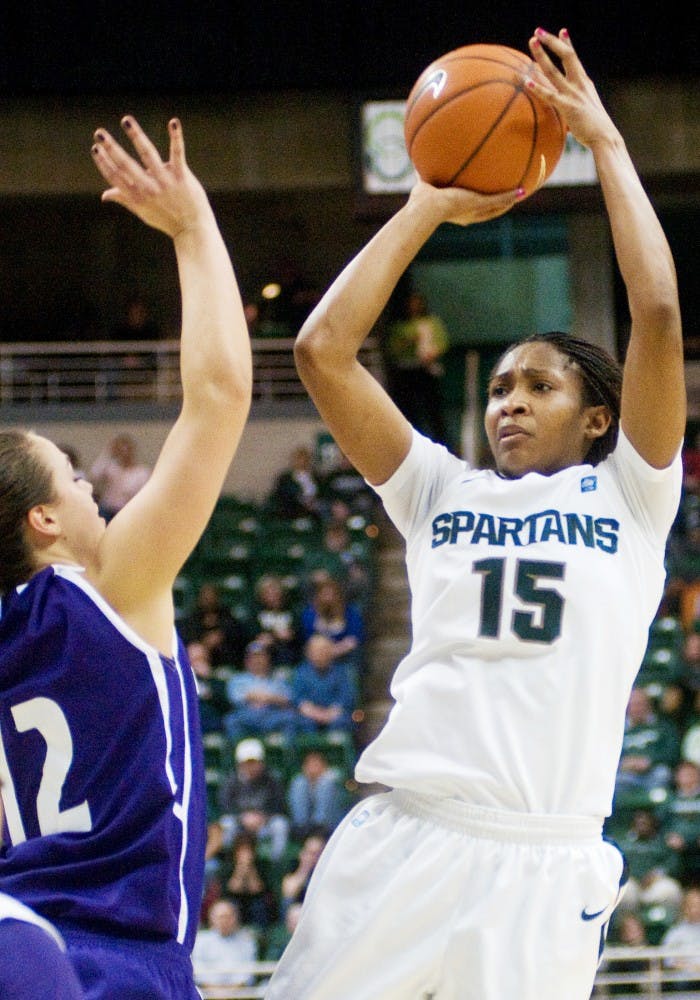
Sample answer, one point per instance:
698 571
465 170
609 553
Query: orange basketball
472 122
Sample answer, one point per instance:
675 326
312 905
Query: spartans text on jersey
474 527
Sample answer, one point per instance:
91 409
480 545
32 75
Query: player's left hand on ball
463 207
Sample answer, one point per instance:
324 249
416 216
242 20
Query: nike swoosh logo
592 916
435 82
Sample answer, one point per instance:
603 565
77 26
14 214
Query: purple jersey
34 965
101 762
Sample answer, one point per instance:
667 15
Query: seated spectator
628 932
651 863
295 490
211 690
117 475
296 881
672 702
338 512
279 936
251 800
684 936
691 660
315 796
650 746
690 741
323 692
681 824
246 884
212 624
342 482
222 947
137 325
262 701
274 622
682 590
337 558
329 613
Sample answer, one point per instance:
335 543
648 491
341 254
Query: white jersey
531 604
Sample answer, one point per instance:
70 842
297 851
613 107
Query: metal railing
635 973
137 371
646 973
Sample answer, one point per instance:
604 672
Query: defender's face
535 418
81 524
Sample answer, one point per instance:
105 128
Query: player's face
535 419
81 524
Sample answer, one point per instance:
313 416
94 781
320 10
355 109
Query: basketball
472 122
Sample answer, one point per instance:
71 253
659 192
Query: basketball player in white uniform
482 873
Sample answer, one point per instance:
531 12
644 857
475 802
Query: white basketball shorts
417 898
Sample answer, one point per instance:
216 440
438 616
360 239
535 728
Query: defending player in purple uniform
33 960
100 752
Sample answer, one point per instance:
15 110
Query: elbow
236 385
666 305
225 392
314 347
657 302
660 315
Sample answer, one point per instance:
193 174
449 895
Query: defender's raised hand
164 195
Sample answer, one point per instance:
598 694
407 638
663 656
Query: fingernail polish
540 32
520 193
564 32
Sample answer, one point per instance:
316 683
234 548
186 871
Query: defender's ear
42 520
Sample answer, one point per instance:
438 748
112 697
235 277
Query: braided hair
601 376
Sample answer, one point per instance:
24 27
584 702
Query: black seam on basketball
536 127
535 133
504 111
460 93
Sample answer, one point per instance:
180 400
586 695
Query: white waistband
494 824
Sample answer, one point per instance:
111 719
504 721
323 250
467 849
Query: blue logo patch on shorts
589 484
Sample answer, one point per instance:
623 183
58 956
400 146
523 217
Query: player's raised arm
146 544
653 412
364 421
